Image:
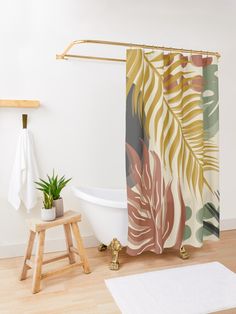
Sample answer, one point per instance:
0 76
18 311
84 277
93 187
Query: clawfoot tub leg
115 247
102 247
183 253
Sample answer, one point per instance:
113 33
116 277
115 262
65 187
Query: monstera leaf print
210 101
150 204
209 215
166 95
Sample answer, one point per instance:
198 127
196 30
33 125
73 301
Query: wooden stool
37 226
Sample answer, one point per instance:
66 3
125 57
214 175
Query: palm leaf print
167 98
151 220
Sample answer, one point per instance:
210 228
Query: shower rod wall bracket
65 55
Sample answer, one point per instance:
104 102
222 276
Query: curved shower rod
65 55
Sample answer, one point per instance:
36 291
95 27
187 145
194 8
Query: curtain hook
162 48
191 54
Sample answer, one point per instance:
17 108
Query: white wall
79 129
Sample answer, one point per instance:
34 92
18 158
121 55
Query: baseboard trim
228 224
51 245
56 245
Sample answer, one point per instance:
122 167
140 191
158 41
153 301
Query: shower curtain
171 150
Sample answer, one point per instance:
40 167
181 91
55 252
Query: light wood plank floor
75 292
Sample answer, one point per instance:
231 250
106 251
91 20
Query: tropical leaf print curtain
171 150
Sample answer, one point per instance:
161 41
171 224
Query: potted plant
48 212
54 185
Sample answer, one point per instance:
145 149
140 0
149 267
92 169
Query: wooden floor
75 292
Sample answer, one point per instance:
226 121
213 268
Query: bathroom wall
79 128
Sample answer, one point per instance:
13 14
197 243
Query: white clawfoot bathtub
106 210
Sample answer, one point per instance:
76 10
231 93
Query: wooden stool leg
38 262
28 254
69 243
80 247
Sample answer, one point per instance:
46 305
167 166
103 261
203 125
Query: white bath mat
196 289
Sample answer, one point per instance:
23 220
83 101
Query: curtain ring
191 55
162 48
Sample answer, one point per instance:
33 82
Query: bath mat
195 289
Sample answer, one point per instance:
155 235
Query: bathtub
106 210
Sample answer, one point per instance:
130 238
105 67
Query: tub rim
98 200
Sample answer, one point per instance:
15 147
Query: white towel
24 173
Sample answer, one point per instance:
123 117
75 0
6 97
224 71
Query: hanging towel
24 173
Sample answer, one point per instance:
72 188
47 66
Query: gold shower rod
66 54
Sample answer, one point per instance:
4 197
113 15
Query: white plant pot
48 214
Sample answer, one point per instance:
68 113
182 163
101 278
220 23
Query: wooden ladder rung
29 263
54 259
60 270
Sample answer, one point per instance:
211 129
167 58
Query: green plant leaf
49 179
53 186
42 184
48 200
45 182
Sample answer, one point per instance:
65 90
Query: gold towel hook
24 121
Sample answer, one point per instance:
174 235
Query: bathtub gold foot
183 253
102 247
115 247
